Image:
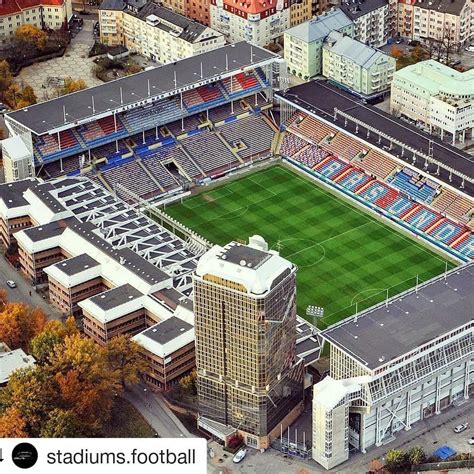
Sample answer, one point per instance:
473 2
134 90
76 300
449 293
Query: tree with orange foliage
125 359
396 52
32 35
3 298
72 85
12 424
19 324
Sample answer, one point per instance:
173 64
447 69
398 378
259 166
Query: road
155 411
22 292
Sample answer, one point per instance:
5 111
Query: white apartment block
359 67
52 14
436 96
304 42
258 22
155 31
397 363
451 20
372 20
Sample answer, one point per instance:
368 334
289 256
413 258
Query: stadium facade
250 379
395 364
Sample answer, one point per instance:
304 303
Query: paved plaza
74 64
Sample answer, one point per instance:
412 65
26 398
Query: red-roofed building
45 14
257 21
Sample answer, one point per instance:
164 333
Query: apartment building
198 10
52 14
448 20
257 21
354 65
372 20
304 43
436 96
155 31
250 379
414 363
300 11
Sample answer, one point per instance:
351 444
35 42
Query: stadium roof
320 99
128 91
383 334
318 28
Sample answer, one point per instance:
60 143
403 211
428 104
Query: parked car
456 63
11 284
470 48
399 40
414 43
471 440
460 428
240 455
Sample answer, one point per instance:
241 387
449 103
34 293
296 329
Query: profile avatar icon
24 455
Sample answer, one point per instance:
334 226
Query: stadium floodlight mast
314 312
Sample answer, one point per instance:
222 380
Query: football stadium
214 143
344 255
115 197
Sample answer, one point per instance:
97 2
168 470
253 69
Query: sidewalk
155 411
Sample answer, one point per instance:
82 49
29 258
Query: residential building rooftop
318 28
359 53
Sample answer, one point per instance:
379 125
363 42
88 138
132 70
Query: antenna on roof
251 54
64 113
226 62
148 82
357 311
93 105
201 71
175 80
416 285
446 270
121 96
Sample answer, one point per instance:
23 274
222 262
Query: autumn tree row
71 390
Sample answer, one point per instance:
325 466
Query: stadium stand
190 123
253 132
311 156
219 114
69 165
447 231
208 96
353 180
414 184
344 147
400 206
167 154
451 203
292 144
466 245
240 84
109 150
331 167
312 128
423 218
378 164
209 152
132 175
153 163
144 118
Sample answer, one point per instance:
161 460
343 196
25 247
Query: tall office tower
249 378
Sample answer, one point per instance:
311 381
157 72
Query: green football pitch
344 256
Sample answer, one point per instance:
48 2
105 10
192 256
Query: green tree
53 333
395 460
61 424
188 382
416 455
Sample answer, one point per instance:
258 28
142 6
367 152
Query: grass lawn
127 422
343 254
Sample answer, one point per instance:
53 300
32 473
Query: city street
22 291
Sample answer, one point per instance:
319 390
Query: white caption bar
99 455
